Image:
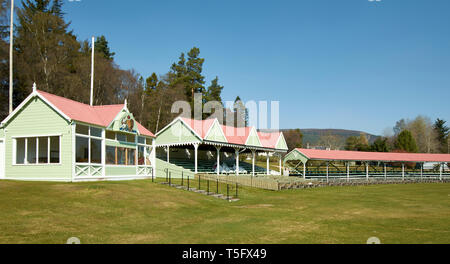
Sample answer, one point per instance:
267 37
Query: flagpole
11 43
92 72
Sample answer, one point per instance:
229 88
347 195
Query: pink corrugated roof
236 135
144 131
201 127
269 140
373 156
96 115
233 135
107 113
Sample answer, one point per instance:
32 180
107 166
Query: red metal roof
233 135
269 140
144 131
373 156
95 115
201 127
236 135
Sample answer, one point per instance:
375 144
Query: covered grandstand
206 146
335 164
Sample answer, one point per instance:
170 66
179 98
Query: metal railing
198 183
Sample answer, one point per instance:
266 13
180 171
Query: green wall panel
253 139
120 171
295 155
216 134
37 118
177 133
120 144
282 143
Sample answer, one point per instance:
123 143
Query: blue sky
350 64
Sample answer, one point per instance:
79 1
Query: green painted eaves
282 143
216 134
295 155
177 133
34 98
253 139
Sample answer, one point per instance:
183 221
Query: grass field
145 212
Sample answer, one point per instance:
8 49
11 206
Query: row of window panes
120 156
144 155
97 132
127 156
121 137
88 131
37 150
127 138
83 145
124 156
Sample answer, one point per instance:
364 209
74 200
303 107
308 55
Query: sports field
146 212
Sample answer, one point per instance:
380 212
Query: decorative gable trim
128 123
254 132
28 99
281 137
216 123
182 121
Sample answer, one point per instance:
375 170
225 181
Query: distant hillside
312 136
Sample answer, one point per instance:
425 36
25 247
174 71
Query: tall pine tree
188 73
214 91
442 132
46 48
102 47
406 142
240 113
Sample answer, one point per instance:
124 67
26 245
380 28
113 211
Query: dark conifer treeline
47 52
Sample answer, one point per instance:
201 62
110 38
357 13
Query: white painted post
403 171
136 155
367 171
103 152
92 71
11 44
26 151
218 160
253 162
236 151
304 170
73 151
268 163
328 165
421 171
89 155
37 150
348 171
153 158
48 151
441 171
385 172
196 157
168 154
281 168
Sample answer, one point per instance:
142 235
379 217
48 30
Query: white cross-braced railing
88 170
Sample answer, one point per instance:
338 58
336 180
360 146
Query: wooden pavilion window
120 156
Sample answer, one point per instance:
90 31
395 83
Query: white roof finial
126 104
34 87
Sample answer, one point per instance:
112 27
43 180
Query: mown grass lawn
145 212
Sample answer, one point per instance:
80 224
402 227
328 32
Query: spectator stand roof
185 131
305 155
